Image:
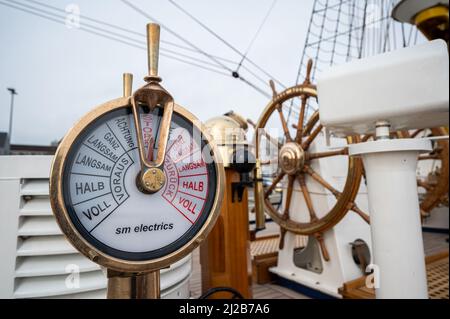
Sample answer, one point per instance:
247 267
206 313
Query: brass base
133 286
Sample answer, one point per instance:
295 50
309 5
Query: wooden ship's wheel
433 188
294 166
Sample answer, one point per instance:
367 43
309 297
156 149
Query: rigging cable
228 44
225 67
51 17
139 34
299 71
352 18
361 45
319 44
335 33
256 34
108 24
117 27
129 41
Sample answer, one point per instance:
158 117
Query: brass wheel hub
153 180
292 158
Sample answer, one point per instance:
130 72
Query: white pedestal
395 218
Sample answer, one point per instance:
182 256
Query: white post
395 216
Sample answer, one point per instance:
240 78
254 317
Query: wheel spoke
403 134
366 138
284 123
309 125
289 192
323 247
335 192
428 157
308 200
301 119
423 184
415 133
273 185
363 215
311 137
321 181
312 156
279 108
308 72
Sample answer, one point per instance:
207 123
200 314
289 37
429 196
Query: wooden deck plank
437 276
268 291
433 243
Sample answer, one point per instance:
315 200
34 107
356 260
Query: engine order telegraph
136 184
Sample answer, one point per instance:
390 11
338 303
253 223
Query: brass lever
152 95
153 34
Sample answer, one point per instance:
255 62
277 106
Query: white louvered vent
36 259
46 263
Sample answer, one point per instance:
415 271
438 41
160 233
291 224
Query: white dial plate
105 204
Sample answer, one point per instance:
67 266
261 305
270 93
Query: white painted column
395 216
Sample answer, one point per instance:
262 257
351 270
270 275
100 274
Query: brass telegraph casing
68 228
151 176
229 132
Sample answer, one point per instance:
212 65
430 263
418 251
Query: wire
318 46
146 15
257 33
143 13
234 293
363 30
352 17
228 44
299 71
92 29
50 18
113 33
114 26
335 33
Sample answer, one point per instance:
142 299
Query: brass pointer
152 177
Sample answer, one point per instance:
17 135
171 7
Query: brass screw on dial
153 180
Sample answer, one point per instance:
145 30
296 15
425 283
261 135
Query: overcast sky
61 73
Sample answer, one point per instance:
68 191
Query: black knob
243 160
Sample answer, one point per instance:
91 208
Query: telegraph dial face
102 210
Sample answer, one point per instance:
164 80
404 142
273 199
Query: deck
433 243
